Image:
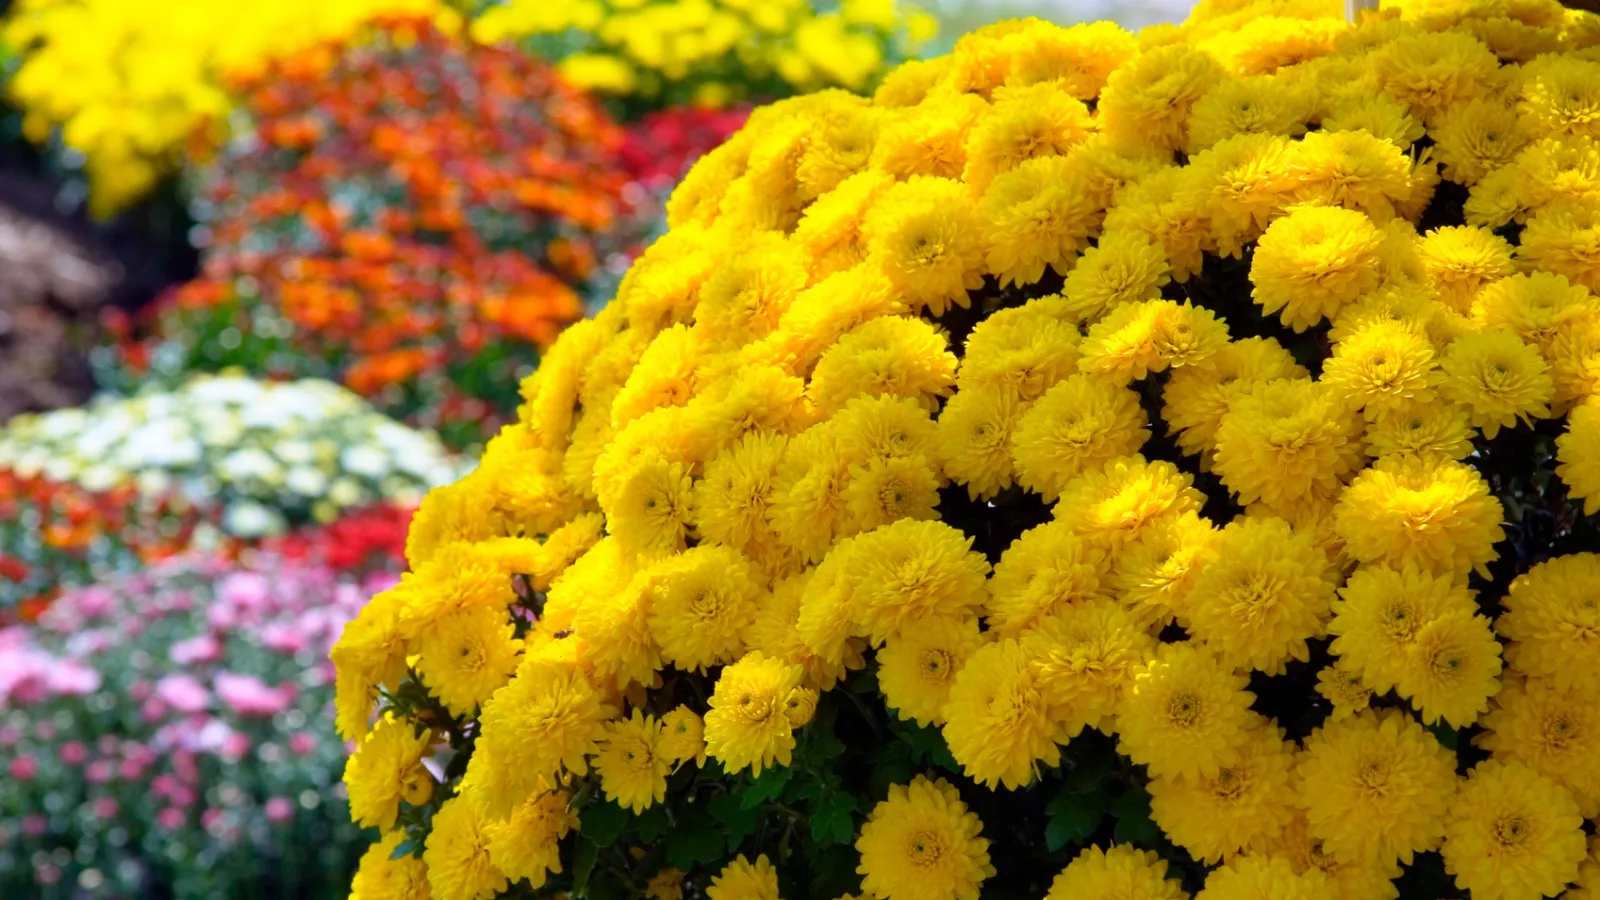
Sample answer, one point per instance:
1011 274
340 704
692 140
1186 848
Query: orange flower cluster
411 215
50 531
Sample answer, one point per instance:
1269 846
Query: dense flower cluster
413 215
1096 466
261 456
168 734
131 85
54 534
711 52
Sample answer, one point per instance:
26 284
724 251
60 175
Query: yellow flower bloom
1186 714
1257 877
385 769
525 845
1313 262
916 669
746 727
1122 871
923 842
997 720
744 880
1513 833
1436 513
382 877
632 762
1376 786
1246 802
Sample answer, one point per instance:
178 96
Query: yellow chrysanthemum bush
711 53
1096 466
133 86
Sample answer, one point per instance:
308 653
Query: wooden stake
1353 8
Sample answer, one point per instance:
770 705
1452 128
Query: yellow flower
1087 657
467 656
1257 877
1552 730
909 571
1432 72
1461 260
382 877
457 855
385 769
1553 621
744 880
632 762
1474 138
975 439
1197 397
1354 170
926 236
921 843
1113 505
1155 575
1343 689
1284 439
1044 572
1376 786
1497 378
1420 429
666 884
701 603
682 735
1262 594
1381 368
547 718
998 723
1185 715
1451 669
1436 513
1138 338
1247 801
1564 238
1381 611
1038 215
1147 101
1513 833
1025 122
1123 871
1079 424
892 355
917 667
1578 450
1313 262
1124 267
1022 352
746 727
527 843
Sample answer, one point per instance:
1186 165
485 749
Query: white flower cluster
265 455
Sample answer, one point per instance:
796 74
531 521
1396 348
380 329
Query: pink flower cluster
188 703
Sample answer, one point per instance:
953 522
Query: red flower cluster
662 145
50 531
372 539
415 209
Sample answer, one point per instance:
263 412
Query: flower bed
167 733
259 457
653 54
419 243
1098 465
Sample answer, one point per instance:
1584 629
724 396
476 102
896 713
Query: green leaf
1074 818
832 819
737 822
1448 737
583 865
408 847
651 823
892 765
1134 826
603 823
696 841
767 786
835 871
